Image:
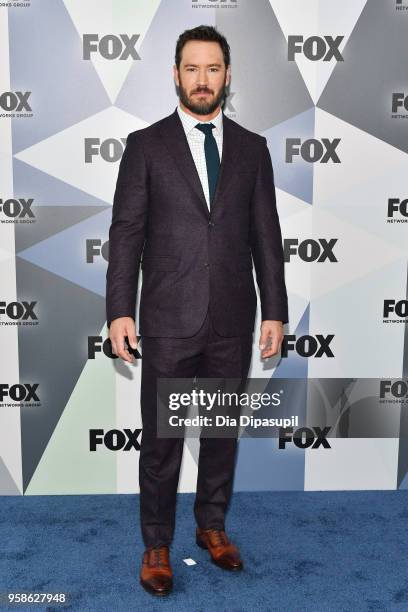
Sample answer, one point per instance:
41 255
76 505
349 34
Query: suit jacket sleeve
127 231
266 242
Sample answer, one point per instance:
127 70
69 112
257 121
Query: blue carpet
312 551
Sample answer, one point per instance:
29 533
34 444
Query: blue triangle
295 366
404 483
261 466
295 178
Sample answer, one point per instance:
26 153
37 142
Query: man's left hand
272 335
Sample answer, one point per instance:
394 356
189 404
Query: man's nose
202 78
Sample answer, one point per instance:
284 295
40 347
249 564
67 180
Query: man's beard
201 106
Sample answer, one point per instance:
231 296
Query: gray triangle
50 220
52 353
403 447
403 441
374 66
267 88
7 484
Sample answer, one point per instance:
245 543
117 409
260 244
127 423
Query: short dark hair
206 33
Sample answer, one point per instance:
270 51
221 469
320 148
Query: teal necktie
212 156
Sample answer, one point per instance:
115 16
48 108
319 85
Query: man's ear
228 79
175 75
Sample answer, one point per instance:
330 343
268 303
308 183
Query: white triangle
371 171
357 251
188 472
315 18
288 204
336 18
104 17
97 178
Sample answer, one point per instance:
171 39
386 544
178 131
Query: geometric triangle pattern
64 88
268 89
325 84
157 49
295 177
7 484
333 20
49 221
111 20
87 264
67 315
374 73
47 190
67 466
93 146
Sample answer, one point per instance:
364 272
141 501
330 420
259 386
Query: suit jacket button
206 265
211 223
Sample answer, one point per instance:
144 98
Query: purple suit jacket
191 258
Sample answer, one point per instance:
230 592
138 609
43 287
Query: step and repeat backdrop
327 84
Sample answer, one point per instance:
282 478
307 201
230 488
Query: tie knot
206 128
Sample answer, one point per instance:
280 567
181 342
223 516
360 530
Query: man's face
202 77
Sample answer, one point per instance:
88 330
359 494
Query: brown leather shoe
156 574
223 552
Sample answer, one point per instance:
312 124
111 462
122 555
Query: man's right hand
118 330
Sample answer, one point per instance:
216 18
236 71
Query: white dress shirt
196 139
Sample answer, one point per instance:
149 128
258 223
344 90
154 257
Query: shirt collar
189 122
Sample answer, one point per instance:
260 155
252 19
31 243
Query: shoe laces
219 537
160 555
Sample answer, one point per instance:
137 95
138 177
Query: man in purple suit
195 207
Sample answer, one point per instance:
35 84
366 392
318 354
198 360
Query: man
195 198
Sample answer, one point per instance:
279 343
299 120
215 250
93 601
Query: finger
115 340
131 334
263 341
119 346
273 349
125 355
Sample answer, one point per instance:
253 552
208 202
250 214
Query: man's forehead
199 51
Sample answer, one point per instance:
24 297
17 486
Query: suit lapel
175 139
